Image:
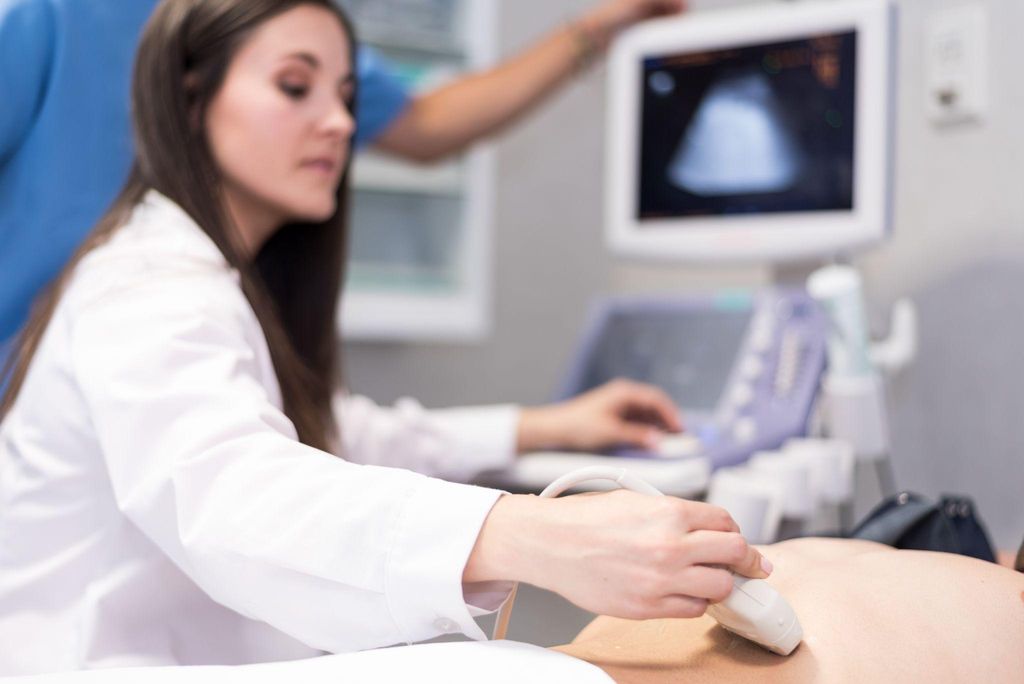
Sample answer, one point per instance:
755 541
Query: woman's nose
338 120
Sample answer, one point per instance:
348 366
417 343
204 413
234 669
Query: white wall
958 249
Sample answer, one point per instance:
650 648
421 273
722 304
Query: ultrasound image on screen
759 129
688 353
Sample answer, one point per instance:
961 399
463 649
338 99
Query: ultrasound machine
734 136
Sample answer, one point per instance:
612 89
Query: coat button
446 626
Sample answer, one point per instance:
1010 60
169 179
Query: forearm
447 120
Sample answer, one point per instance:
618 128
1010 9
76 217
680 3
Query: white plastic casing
755 611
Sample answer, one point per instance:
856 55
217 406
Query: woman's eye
294 90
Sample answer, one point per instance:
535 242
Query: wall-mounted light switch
957 64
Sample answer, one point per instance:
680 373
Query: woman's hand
619 413
622 554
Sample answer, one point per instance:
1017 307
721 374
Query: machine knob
744 430
761 340
751 367
761 334
742 395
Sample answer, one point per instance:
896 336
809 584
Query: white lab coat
157 509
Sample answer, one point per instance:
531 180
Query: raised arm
447 120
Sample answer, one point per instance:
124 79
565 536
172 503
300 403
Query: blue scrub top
65 131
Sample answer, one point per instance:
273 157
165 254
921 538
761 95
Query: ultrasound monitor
760 133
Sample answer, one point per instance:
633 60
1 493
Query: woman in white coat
181 482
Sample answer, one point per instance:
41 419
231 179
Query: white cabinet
420 248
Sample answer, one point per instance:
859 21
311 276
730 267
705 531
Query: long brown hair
294 282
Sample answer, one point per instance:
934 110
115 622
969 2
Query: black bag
911 521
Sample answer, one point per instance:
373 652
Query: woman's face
279 127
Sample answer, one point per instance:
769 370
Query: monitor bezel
775 237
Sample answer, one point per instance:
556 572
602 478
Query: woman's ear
192 101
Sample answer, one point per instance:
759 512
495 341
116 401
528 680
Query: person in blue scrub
65 140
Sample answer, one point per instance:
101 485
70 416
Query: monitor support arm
893 354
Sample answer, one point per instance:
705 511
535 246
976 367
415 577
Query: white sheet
490 662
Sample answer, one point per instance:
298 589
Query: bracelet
588 48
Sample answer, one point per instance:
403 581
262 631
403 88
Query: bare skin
620 412
869 613
619 553
446 121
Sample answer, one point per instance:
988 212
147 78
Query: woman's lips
325 165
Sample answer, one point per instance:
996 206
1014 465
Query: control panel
744 367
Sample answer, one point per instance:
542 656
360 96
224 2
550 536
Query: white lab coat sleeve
340 556
456 444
